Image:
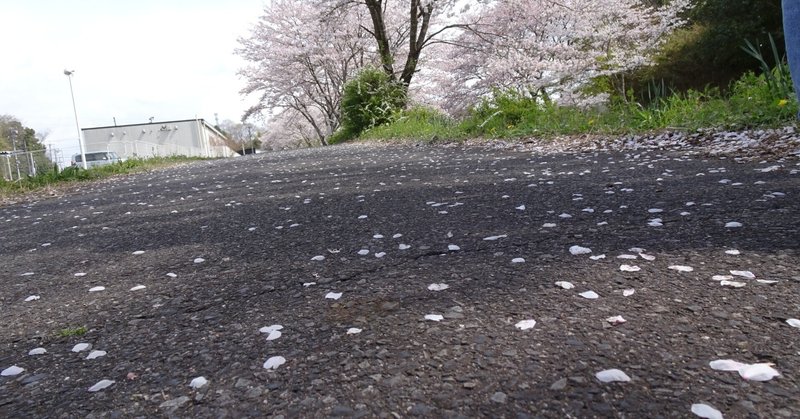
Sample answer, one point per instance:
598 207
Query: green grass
54 176
753 102
72 331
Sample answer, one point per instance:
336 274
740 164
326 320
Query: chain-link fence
15 165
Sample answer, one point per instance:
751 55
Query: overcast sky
168 59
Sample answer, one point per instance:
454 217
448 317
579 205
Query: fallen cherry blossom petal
628 292
138 287
565 284
726 365
518 260
274 334
681 268
525 324
434 317
733 252
138 252
438 287
453 248
758 372
32 298
705 411
101 385
793 323
199 260
353 331
579 250
96 354
333 295
81 347
403 246
722 277
270 329
597 257
274 362
735 284
744 274
37 351
733 224
318 258
96 289
616 320
629 268
589 295
198 382
11 371
612 375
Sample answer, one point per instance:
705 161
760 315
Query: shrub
368 100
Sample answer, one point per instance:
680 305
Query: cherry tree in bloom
538 47
300 58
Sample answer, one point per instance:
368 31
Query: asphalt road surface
371 281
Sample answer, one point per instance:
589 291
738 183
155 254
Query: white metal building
189 137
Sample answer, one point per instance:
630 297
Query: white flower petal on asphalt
11 371
37 351
26 274
403 246
655 210
275 334
616 320
766 281
138 287
758 372
198 382
733 252
564 215
597 257
434 317
629 268
96 354
380 254
549 225
32 298
377 236
493 238
308 284
274 362
333 295
735 284
363 252
80 274
318 258
628 292
521 207
353 331
793 323
438 287
96 289
722 277
525 324
565 284
138 252
733 224
453 248
397 236
80 347
101 385
270 329
172 275
726 365
589 295
744 274
362 217
612 375
518 260
705 411
681 268
579 250
647 257
627 256
199 260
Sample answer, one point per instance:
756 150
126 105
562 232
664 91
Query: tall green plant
368 100
778 78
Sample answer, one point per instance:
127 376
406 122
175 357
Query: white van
99 158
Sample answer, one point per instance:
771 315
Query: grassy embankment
762 101
54 176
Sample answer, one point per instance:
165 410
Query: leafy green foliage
369 100
72 331
54 176
751 101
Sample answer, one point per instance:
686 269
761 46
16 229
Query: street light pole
69 74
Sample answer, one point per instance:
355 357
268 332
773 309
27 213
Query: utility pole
69 74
